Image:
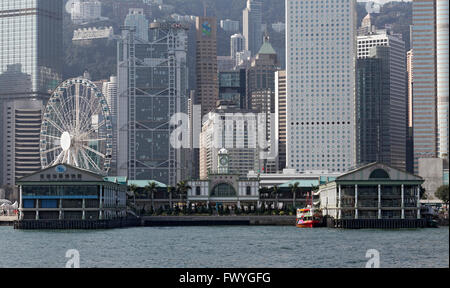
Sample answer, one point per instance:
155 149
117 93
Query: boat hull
307 224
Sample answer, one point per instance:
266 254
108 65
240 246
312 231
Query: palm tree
263 191
133 189
170 192
182 188
294 188
151 188
275 191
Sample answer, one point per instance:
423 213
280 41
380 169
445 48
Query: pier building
65 192
373 191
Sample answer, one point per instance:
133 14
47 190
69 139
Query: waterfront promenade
149 221
256 220
7 220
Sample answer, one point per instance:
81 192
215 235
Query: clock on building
223 161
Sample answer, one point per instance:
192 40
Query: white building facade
237 44
85 10
442 53
109 90
320 64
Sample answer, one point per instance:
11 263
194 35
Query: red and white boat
307 217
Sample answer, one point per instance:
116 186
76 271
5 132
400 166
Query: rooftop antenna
204 8
266 35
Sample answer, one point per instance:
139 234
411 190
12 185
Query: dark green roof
301 183
143 183
266 48
139 183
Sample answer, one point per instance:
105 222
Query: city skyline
224 134
320 148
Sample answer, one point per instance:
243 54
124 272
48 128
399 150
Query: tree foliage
442 193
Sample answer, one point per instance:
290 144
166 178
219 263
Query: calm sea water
229 246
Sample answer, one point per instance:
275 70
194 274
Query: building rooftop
139 183
305 183
266 48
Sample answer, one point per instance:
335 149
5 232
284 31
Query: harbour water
225 246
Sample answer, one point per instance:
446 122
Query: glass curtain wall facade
232 87
372 133
424 74
30 68
151 89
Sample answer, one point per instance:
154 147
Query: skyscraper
280 112
30 68
261 75
237 44
393 95
109 90
409 70
409 137
261 92
229 25
231 128
233 87
136 18
320 68
430 74
207 92
442 55
373 108
252 26
85 11
151 89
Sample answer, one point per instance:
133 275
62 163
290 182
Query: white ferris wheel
76 127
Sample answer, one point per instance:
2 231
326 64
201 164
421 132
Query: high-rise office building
252 26
374 109
21 134
151 90
430 74
136 18
261 92
261 75
30 68
231 128
280 113
320 68
85 10
229 25
442 55
243 59
109 90
367 26
394 94
207 92
279 27
424 74
233 87
409 136
225 63
409 71
237 44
